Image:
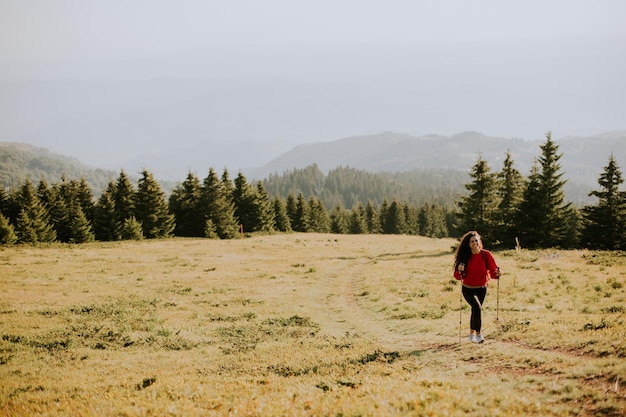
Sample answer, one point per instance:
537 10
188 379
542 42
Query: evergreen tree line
510 210
504 206
215 207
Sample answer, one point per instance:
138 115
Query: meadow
306 325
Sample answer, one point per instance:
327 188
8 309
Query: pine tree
264 215
372 218
243 197
318 219
300 221
530 211
132 229
7 232
151 209
432 221
45 193
339 220
79 226
217 206
411 219
67 204
185 204
281 219
210 231
479 206
291 206
510 191
382 216
85 199
227 184
124 198
394 221
4 202
358 219
56 207
33 223
546 220
107 226
604 224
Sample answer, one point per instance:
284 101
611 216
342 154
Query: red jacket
479 269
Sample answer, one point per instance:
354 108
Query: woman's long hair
463 251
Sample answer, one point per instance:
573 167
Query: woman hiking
474 266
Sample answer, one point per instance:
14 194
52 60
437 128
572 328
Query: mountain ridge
583 157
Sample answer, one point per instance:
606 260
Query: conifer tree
33 223
4 202
604 225
185 204
59 216
372 218
411 219
300 221
132 229
151 209
107 226
358 219
394 220
339 220
85 199
291 206
56 207
382 215
263 210
243 197
124 198
217 206
67 203
7 231
546 221
210 231
510 191
80 230
281 219
45 193
318 219
432 221
530 209
479 206
227 184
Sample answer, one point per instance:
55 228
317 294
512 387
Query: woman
474 266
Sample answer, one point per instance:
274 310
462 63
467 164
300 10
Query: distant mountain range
266 125
583 158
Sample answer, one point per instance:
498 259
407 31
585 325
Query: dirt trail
337 308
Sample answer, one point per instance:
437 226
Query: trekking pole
498 303
461 304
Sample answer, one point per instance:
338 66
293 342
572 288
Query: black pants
469 294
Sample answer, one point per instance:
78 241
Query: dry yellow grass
305 324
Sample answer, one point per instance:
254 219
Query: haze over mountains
261 126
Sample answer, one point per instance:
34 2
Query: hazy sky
503 68
150 38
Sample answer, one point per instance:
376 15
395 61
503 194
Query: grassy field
306 324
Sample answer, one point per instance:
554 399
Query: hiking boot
479 338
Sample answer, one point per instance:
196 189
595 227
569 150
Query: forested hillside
19 161
346 187
505 205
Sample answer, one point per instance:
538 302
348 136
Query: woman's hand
461 268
